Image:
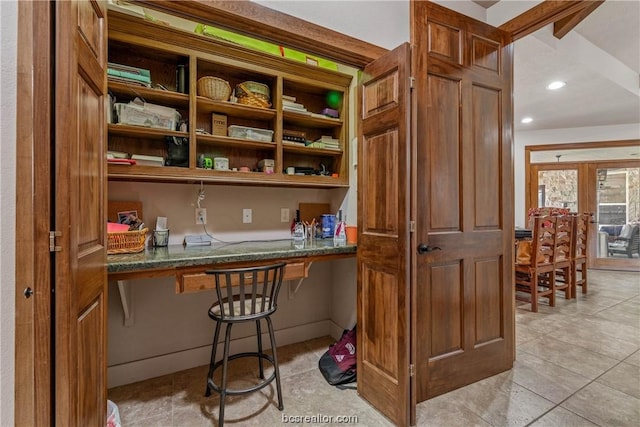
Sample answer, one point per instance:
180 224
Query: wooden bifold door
435 199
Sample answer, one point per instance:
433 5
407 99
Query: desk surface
175 256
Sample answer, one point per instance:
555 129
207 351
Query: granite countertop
173 256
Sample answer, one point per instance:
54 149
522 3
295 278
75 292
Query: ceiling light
556 85
526 120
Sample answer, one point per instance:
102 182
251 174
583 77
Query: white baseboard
152 367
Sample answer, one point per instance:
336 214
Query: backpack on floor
338 363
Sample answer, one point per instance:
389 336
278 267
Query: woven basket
214 88
126 242
253 94
254 101
254 88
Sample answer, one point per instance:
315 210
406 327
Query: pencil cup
160 238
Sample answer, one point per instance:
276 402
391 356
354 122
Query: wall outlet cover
246 216
284 215
201 216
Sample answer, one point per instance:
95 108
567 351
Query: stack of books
327 142
294 136
289 104
144 160
130 75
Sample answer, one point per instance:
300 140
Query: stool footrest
215 387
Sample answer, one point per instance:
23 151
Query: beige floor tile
576 359
447 410
605 406
560 417
623 377
634 359
594 340
308 394
501 402
546 379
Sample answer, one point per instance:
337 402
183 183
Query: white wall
8 44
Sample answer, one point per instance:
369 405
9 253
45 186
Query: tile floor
577 364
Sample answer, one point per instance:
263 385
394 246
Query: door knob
423 249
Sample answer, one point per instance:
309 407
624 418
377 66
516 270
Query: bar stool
244 295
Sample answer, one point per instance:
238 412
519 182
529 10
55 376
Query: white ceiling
599 59
600 62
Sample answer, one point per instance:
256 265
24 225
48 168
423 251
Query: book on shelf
126 74
117 155
296 110
288 98
145 160
128 81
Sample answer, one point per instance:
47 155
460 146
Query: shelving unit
161 49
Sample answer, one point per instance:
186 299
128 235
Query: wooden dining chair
564 244
579 259
536 275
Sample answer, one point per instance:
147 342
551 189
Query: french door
614 197
610 190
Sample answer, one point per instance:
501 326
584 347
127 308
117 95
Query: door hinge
412 81
412 370
412 226
52 241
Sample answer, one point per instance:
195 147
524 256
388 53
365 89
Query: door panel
464 199
614 190
383 241
444 153
80 214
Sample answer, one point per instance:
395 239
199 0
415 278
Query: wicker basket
126 242
254 88
253 94
214 88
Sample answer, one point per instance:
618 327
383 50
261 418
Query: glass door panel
558 188
618 216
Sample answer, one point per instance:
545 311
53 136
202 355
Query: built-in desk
189 263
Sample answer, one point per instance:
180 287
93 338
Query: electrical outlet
284 214
246 216
201 216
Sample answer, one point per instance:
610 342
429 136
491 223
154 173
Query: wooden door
383 258
464 199
80 214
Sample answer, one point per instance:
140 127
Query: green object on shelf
266 47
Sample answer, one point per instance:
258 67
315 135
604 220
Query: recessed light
556 85
526 120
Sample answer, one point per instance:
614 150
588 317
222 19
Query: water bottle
298 233
340 235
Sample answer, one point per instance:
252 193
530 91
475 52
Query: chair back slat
543 240
564 238
247 292
581 234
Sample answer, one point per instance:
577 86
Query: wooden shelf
164 97
310 121
190 175
206 105
228 141
309 151
143 132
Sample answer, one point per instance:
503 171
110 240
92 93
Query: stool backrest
246 292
